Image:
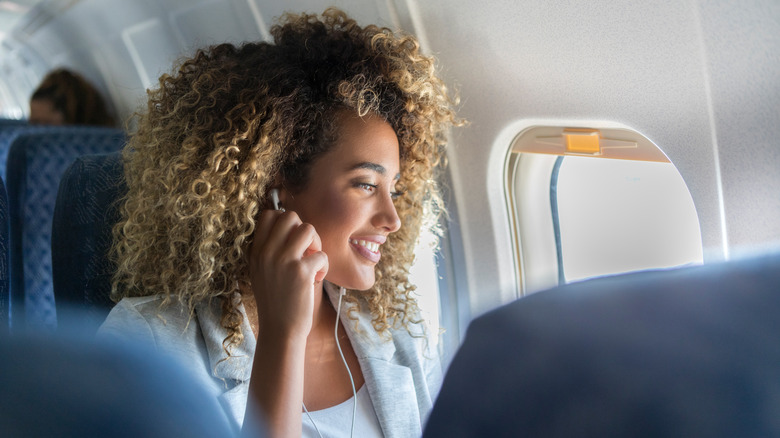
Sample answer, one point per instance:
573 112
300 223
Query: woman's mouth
366 248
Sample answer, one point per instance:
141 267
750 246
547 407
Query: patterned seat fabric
4 291
87 208
9 130
36 163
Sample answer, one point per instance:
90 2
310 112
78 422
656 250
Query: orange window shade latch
582 141
617 143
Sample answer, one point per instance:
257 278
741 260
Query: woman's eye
396 195
367 187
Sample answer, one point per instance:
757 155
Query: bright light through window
617 205
424 274
620 215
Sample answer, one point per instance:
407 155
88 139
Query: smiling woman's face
349 198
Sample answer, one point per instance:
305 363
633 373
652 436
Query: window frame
533 153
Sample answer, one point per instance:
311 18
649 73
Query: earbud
275 198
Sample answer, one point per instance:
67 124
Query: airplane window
591 202
620 215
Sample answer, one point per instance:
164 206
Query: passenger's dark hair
78 101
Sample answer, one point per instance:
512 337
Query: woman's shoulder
406 343
138 302
416 346
151 308
419 336
144 318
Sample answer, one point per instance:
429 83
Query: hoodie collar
390 384
238 366
367 343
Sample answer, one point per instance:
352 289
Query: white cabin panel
379 12
743 59
214 22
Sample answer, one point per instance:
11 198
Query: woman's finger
303 239
273 232
317 262
263 228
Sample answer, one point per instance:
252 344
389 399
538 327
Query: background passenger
66 98
347 124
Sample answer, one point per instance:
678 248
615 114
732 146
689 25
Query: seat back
9 130
4 291
36 162
684 352
87 208
66 384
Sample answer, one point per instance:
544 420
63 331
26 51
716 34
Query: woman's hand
285 263
286 267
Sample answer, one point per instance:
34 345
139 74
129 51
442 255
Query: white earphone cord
342 292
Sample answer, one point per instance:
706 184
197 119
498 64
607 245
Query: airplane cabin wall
701 79
698 78
743 59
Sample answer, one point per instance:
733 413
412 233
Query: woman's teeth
371 246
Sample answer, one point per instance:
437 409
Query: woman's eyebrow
378 168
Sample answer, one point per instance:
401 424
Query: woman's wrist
281 336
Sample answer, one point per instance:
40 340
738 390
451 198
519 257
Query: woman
346 126
66 98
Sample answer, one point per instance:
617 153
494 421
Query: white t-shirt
336 421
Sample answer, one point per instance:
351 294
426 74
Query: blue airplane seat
36 162
67 384
86 210
4 290
13 122
690 352
9 130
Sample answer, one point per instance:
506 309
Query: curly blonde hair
218 131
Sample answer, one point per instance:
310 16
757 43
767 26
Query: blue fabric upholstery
67 385
9 130
690 352
12 128
4 290
36 162
87 208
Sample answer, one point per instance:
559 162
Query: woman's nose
387 216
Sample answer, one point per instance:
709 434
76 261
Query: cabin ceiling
12 11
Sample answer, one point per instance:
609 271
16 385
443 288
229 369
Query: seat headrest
86 210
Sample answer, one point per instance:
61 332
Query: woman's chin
352 283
